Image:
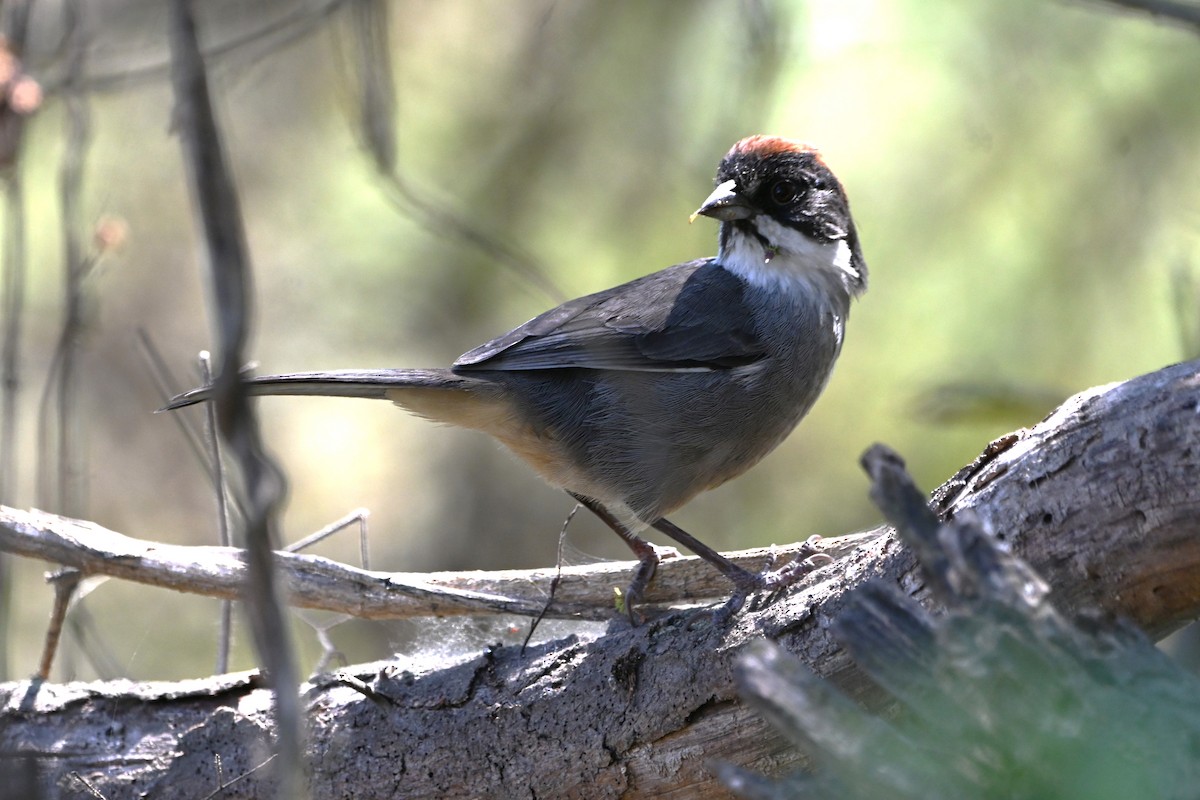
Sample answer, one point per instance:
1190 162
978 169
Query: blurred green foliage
1022 175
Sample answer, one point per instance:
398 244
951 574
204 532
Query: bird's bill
725 204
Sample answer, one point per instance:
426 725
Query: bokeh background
418 176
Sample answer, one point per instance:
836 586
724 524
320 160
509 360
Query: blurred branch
983 402
60 469
243 49
1100 711
372 54
12 290
1185 13
219 212
12 300
371 59
446 222
1101 498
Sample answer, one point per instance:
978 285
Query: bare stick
583 592
168 386
358 515
64 582
558 565
221 494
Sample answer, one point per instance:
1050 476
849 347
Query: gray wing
691 316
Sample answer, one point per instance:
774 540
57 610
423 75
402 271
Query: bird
637 398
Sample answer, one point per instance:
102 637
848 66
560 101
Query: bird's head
785 220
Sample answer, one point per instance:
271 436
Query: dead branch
584 592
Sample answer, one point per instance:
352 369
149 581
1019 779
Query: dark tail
378 384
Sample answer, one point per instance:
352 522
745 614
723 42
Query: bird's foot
647 566
769 585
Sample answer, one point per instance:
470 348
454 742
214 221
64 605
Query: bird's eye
783 192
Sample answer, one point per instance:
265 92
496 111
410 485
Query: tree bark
1102 498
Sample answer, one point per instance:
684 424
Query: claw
647 566
768 586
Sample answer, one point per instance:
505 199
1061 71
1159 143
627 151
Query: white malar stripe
798 256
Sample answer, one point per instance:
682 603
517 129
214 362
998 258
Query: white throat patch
797 260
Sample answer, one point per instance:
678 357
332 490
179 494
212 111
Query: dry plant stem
364 538
168 386
557 579
87 786
221 495
358 515
65 582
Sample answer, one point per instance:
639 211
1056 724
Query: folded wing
689 317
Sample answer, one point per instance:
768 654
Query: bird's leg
742 578
647 554
744 581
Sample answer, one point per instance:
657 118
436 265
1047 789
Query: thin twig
220 790
168 386
364 539
87 786
65 582
558 565
358 515
445 222
221 493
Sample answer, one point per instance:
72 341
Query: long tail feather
368 383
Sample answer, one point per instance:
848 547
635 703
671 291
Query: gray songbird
637 398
